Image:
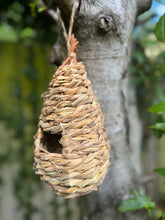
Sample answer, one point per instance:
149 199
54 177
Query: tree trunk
104 29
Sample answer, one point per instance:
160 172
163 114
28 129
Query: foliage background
26 38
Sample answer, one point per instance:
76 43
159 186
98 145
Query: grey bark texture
104 30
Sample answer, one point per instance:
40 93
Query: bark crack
124 108
125 113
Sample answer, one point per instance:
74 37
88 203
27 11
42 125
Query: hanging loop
71 41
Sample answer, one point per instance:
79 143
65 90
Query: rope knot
72 55
72 45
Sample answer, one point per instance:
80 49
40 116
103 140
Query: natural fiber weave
71 148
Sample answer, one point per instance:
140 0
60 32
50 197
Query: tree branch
143 5
50 12
65 6
139 23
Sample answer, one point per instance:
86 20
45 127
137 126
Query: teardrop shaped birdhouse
71 151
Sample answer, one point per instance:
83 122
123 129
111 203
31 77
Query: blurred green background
26 38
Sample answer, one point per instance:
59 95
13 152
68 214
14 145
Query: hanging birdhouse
71 151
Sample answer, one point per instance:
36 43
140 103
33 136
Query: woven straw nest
71 147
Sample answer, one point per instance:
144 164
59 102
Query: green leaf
41 9
32 8
28 32
163 216
158 133
160 29
159 126
8 33
136 203
158 108
161 171
135 192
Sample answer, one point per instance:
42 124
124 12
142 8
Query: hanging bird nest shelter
71 151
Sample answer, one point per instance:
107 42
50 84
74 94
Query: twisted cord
72 20
71 43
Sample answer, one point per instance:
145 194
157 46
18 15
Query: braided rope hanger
71 41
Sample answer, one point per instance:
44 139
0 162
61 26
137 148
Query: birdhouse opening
51 142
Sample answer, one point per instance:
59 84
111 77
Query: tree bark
104 29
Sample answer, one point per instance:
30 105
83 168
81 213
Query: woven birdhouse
71 148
